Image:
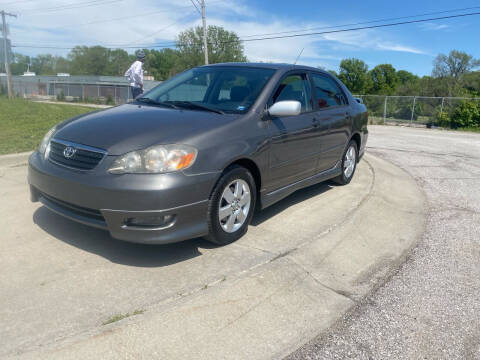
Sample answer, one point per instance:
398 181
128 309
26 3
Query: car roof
275 66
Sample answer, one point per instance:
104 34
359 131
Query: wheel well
358 140
253 168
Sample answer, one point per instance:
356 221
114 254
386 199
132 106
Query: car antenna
295 63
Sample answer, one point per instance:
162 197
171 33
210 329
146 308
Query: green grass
470 129
119 317
23 123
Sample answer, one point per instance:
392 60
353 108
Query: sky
142 23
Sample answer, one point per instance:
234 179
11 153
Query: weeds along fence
412 110
101 90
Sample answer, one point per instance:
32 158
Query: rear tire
231 206
349 164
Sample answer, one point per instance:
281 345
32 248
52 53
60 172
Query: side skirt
272 197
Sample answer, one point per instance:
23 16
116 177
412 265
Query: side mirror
359 100
285 108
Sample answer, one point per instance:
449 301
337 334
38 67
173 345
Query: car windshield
221 89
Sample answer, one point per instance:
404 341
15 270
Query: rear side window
327 92
295 87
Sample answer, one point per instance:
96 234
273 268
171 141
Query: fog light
151 221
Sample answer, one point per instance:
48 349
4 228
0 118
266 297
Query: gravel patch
430 308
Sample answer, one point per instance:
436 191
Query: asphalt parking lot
70 291
429 309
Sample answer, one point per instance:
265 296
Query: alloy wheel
234 205
349 162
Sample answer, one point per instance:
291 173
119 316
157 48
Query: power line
363 23
72 6
296 35
122 17
363 27
156 32
16 2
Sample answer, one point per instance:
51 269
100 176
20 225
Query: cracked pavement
430 307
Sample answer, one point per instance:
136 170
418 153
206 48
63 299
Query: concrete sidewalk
95 106
304 263
12 160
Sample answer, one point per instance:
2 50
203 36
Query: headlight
156 159
44 147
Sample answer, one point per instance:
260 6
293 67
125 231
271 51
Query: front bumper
99 199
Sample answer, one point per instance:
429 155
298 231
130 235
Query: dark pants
136 91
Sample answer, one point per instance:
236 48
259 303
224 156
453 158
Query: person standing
135 75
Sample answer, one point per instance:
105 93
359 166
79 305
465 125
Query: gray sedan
196 155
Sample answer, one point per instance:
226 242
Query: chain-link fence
75 90
411 110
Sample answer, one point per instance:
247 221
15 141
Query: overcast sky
146 22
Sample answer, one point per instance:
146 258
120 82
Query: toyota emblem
69 151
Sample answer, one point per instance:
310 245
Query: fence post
385 110
443 102
413 109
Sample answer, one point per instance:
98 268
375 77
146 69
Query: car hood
133 127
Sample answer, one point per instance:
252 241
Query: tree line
452 76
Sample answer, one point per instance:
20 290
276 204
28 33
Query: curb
13 160
94 106
271 310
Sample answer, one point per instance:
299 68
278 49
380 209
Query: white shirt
135 74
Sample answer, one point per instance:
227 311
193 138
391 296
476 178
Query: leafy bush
466 115
61 96
442 119
110 100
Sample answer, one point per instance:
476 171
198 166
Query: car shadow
100 242
291 200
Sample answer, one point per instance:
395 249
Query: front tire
231 206
349 164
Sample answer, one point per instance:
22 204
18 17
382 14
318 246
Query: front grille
83 159
79 210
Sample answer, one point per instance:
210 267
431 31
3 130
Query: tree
98 60
384 79
471 82
19 64
89 60
456 64
223 46
119 62
45 64
406 77
354 74
162 64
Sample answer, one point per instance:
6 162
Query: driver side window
295 87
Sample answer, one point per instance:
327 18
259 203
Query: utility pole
5 48
204 21
201 11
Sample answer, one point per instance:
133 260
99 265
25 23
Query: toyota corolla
195 156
